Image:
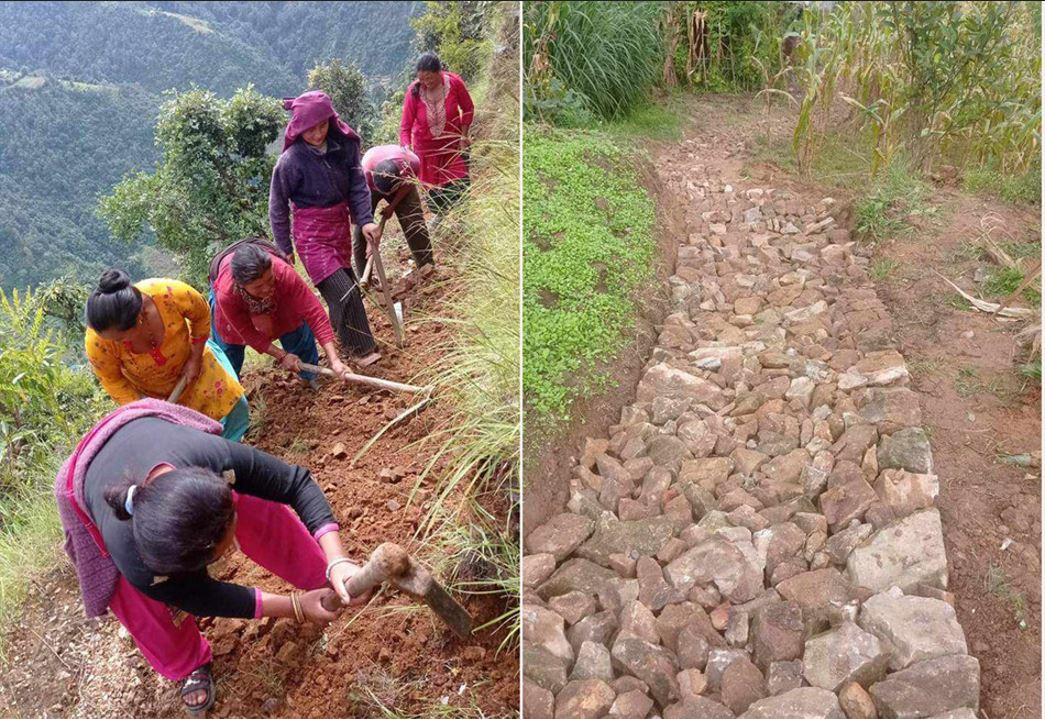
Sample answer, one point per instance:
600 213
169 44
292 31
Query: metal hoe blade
455 616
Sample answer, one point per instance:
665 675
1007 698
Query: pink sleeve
406 123
233 311
257 603
465 102
326 529
306 305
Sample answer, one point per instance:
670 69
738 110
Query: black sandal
199 680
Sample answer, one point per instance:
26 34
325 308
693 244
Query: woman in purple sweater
320 178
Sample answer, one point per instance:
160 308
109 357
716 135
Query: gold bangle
295 602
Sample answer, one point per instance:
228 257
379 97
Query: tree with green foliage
457 32
347 87
211 185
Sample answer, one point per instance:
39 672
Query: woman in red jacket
437 114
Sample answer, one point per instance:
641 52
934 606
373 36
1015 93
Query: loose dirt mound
392 654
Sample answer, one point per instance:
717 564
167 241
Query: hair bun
114 281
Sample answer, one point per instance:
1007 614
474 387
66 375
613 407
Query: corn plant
932 80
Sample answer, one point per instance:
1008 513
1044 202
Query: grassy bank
587 247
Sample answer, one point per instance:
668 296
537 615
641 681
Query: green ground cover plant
587 249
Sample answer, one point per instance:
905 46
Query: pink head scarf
309 110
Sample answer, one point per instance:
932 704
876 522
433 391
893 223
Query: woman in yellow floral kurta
143 338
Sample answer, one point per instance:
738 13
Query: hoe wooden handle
387 562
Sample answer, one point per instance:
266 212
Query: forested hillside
81 83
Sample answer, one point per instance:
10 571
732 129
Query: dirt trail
765 486
393 654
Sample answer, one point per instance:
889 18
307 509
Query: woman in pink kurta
437 114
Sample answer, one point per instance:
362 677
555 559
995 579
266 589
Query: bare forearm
276 605
330 351
330 543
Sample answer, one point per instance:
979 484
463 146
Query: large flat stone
912 629
801 703
929 688
707 472
906 449
842 655
665 381
644 537
560 535
905 553
578 575
719 561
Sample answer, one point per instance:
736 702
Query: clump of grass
481 558
1003 281
587 247
1000 585
30 543
476 378
1032 370
898 193
882 268
1019 189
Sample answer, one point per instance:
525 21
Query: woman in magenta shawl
319 181
437 114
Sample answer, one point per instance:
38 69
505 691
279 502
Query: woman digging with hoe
152 496
153 337
320 177
256 297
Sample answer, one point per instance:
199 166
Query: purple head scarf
309 110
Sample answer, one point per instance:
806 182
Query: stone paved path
756 537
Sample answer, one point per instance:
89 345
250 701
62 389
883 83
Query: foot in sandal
367 360
198 692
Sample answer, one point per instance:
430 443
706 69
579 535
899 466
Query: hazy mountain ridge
80 85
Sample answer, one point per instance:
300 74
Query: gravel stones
762 516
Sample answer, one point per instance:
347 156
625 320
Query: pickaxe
391 563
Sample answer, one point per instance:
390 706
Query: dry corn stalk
993 308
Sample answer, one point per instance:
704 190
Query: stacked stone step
756 537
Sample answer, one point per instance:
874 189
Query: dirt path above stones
757 536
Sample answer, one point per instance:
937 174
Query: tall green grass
473 454
600 58
44 406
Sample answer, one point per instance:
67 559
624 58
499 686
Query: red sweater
441 161
295 303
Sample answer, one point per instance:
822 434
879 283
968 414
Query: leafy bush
41 399
44 407
209 188
457 32
347 87
587 246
